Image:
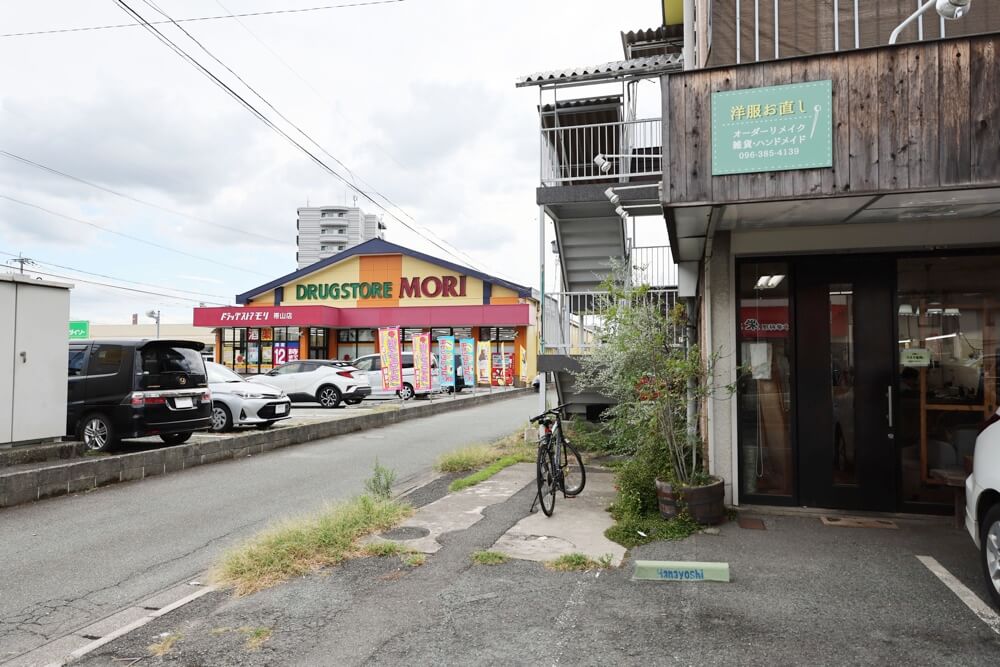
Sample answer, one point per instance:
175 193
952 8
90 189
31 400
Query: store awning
505 315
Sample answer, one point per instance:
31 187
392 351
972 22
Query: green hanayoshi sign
772 129
79 329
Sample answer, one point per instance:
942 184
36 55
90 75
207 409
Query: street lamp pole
155 315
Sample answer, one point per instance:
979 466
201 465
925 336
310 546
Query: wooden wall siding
919 116
805 27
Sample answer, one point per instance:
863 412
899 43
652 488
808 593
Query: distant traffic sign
79 329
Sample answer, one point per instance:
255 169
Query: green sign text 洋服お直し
772 129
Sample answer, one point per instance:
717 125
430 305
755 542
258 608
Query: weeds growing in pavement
414 559
298 546
485 473
577 562
384 548
380 483
489 558
161 648
633 530
256 637
467 458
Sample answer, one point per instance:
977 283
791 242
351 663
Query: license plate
281 409
183 402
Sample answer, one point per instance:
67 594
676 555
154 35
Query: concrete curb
29 485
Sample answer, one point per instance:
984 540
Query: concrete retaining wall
29 485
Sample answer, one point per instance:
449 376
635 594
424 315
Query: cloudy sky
415 97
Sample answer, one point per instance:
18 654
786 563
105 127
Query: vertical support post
541 270
692 407
857 27
836 25
920 25
777 32
738 30
756 31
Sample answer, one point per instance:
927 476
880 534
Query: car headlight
247 394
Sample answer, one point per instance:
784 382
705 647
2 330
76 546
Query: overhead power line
120 287
193 19
124 280
51 170
129 236
454 252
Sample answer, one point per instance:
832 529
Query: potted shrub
660 383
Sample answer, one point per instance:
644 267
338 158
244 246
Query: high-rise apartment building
323 231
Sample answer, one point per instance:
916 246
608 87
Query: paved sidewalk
802 593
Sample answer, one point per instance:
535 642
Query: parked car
135 388
318 381
982 503
371 365
236 402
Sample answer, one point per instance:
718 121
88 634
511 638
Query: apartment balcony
617 152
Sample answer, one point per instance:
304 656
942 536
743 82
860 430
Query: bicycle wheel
546 482
574 474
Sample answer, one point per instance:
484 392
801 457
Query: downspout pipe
690 58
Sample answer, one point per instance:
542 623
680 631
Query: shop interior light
952 312
906 341
934 312
906 310
769 282
942 337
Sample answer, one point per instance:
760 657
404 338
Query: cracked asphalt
73 560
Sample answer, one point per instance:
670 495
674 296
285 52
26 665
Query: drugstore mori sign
431 287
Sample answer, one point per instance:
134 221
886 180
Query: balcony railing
654 266
572 319
602 152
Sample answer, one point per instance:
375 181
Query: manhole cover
406 533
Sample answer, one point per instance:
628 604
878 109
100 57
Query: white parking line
971 600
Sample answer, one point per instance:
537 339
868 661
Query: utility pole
22 260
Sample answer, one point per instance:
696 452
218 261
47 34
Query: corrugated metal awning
636 67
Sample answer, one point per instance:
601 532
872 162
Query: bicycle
559 467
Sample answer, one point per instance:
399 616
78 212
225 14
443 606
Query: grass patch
487 460
467 458
587 436
485 473
489 558
577 562
256 637
631 531
161 648
298 546
414 559
382 549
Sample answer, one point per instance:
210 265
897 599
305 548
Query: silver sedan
236 402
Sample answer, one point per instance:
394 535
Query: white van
372 365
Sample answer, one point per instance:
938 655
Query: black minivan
134 388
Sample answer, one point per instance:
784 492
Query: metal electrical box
34 321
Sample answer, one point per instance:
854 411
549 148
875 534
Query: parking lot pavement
801 593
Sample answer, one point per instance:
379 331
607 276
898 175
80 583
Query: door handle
889 396
24 356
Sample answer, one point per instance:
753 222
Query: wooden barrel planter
666 499
705 503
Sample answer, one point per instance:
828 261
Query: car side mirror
272 373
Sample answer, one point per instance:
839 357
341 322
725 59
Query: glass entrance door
845 372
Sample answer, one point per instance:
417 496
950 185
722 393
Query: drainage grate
857 522
751 524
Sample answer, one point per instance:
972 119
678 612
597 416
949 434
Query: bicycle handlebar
554 411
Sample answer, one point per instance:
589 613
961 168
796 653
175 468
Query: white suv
318 381
982 503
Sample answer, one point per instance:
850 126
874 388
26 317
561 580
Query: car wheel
98 433
175 438
264 426
222 419
328 397
990 551
407 392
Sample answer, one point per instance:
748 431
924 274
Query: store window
354 343
318 343
764 395
258 350
947 319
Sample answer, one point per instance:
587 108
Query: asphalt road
70 561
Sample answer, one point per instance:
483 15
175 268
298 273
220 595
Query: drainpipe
689 52
541 270
691 331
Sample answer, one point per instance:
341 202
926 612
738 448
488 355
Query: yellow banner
392 364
